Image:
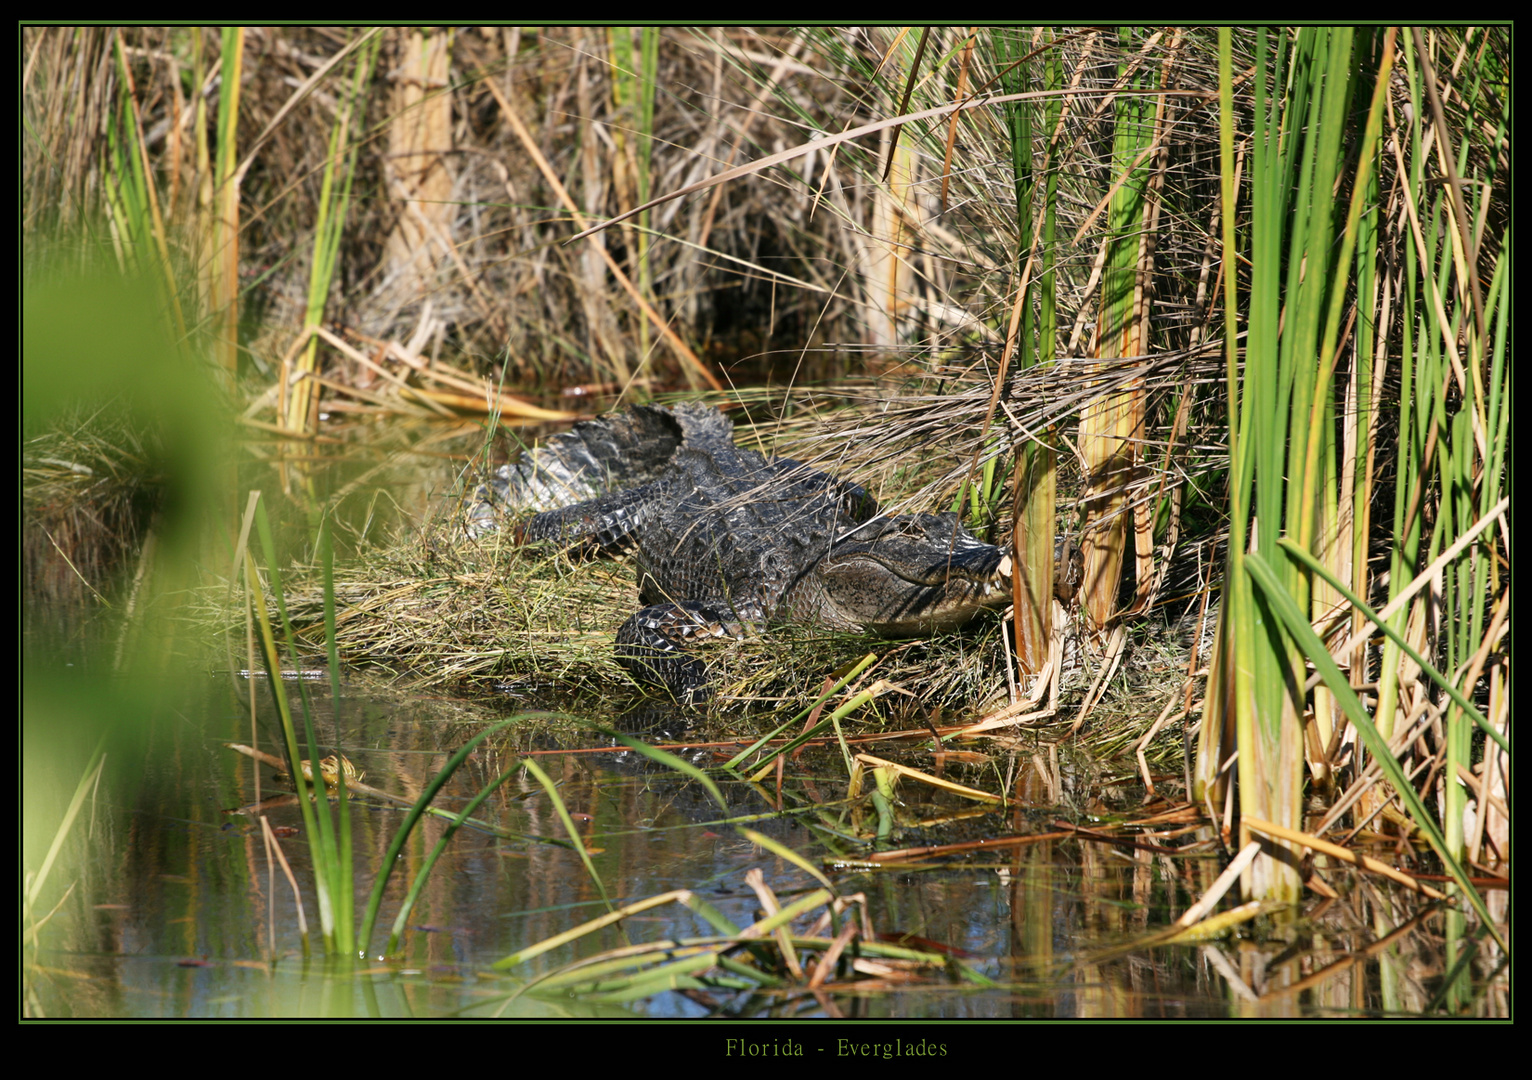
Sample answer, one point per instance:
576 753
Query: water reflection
181 914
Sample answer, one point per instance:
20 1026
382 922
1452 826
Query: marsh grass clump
92 484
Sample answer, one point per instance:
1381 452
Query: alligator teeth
1005 566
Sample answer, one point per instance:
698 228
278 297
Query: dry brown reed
478 149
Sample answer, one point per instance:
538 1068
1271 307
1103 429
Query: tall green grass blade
1371 616
272 661
1111 427
418 886
323 842
1035 513
1286 610
569 826
1284 415
634 85
223 242
670 761
1329 351
36 882
406 827
137 199
334 202
342 871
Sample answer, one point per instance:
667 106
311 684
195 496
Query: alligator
727 539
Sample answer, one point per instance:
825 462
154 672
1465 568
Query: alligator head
905 575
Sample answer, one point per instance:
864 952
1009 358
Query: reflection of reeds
838 949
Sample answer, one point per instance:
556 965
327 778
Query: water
177 912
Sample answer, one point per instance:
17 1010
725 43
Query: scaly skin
725 539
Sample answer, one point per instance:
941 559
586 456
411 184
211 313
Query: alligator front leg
652 645
604 526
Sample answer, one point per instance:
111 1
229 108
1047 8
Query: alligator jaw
869 591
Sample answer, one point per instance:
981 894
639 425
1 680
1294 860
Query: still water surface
183 917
